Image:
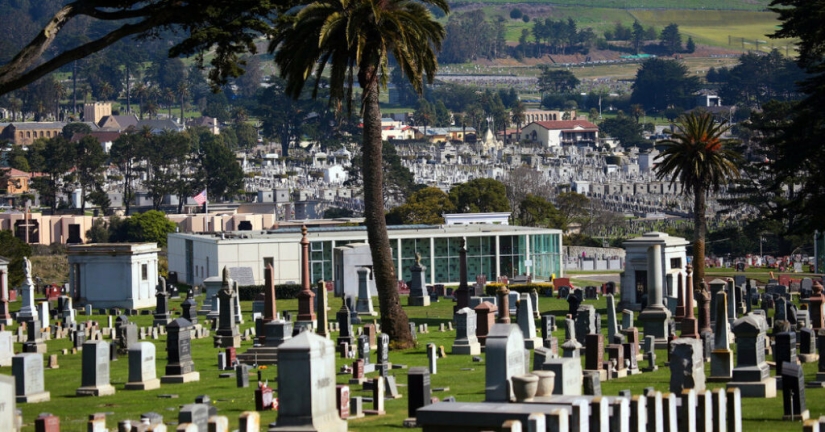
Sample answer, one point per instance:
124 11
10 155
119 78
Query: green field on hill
721 28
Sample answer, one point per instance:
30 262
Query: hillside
751 5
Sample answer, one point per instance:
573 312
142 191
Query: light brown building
26 133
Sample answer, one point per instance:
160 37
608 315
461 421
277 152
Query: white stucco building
562 132
109 275
634 280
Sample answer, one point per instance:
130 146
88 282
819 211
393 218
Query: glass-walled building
492 250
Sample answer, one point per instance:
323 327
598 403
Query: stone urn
525 386
547 381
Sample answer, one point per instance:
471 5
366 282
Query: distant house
26 133
18 181
210 123
158 126
105 138
117 123
561 132
441 134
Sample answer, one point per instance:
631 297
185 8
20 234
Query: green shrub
491 288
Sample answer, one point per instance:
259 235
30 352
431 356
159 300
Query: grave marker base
805 415
144 385
418 301
104 390
34 398
819 382
179 379
808 358
763 389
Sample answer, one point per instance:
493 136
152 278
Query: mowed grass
463 378
708 26
714 27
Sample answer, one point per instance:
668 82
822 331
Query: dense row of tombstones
555 394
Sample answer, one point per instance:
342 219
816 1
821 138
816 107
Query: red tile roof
566 125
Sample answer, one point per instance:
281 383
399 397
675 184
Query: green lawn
465 385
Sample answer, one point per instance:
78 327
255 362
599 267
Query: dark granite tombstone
594 352
418 389
785 350
179 348
573 303
793 392
592 383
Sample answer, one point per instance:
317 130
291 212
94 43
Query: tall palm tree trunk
700 232
394 321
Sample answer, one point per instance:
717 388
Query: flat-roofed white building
492 250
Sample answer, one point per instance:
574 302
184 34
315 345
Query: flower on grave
262 367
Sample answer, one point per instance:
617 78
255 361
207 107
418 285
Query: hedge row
282 291
491 288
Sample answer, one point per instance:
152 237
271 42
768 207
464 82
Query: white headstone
306 366
506 358
527 322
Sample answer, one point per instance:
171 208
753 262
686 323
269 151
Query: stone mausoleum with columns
635 280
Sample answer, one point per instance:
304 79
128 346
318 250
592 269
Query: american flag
200 198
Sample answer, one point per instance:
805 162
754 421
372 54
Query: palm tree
518 118
702 160
183 93
355 38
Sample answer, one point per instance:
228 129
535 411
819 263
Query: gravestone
27 369
180 367
465 335
95 377
306 366
6 348
34 342
432 359
383 351
612 324
571 345
751 374
807 346
486 317
196 414
687 367
513 299
418 284
793 392
342 400
506 358
568 375
363 306
721 358
162 315
527 323
227 334
321 310
592 383
344 324
418 389
242 375
190 307
142 369
277 332
585 323
8 415
785 350
594 354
